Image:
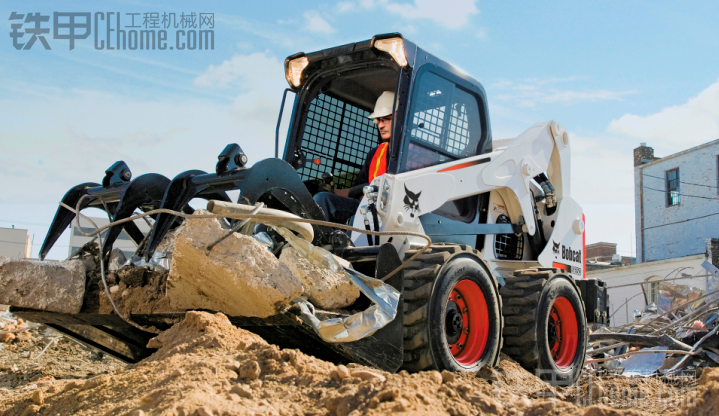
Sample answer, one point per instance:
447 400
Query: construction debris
324 288
44 285
673 337
239 277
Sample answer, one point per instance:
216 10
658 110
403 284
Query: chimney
643 154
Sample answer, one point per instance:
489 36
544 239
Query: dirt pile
206 366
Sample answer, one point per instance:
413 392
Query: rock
38 397
203 411
250 370
154 343
323 287
137 412
133 276
522 403
435 377
402 405
43 285
239 277
117 259
342 372
177 372
488 405
72 385
367 375
96 381
242 391
7 337
448 376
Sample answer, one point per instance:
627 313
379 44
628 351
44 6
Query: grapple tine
281 178
63 217
178 193
145 192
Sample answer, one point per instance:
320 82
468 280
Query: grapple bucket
272 179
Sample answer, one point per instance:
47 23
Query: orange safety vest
378 167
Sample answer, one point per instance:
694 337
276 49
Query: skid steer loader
508 252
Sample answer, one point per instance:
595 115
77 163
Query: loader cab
440 114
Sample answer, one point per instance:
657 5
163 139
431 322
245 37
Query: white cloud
317 24
533 91
452 14
71 136
248 70
678 127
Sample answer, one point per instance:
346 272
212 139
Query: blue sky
614 73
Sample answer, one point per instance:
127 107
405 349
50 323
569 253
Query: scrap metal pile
674 336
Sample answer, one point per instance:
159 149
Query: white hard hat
384 105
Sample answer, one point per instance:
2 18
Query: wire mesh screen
508 246
337 138
444 123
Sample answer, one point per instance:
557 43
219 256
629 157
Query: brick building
676 201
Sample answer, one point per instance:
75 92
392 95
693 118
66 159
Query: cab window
443 123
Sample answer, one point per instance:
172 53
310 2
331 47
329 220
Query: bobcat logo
411 201
555 247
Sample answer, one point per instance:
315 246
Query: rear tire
546 328
452 315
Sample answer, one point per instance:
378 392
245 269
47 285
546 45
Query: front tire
452 312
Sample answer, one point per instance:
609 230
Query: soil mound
206 366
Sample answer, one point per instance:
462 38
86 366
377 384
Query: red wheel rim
468 349
563 332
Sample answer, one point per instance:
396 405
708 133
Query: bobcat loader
506 265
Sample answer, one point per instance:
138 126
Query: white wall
639 273
123 242
14 243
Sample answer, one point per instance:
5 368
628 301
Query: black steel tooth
63 217
146 191
177 194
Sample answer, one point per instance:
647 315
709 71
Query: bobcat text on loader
490 282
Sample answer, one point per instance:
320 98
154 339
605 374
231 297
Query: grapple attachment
273 180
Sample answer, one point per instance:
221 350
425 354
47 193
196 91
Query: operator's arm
361 180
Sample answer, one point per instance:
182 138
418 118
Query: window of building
673 187
653 292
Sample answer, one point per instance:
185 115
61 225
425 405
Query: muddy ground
206 366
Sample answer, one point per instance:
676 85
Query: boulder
324 288
117 259
239 277
43 285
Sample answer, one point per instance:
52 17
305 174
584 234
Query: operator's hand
328 183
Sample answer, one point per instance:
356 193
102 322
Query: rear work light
294 70
394 47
